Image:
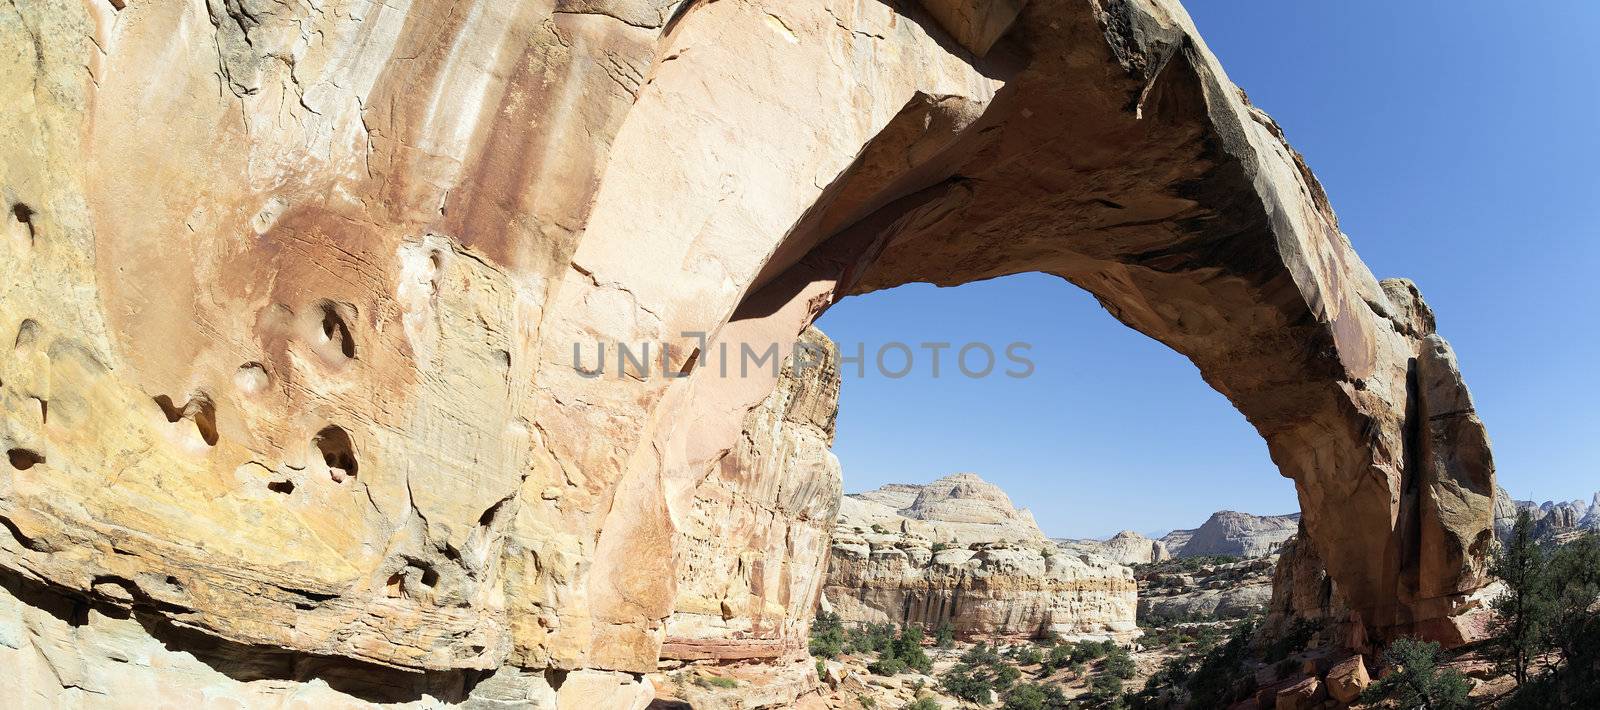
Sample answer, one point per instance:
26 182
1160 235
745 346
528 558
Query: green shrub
1415 680
922 704
965 682
945 635
1120 664
1105 688
715 681
822 670
888 666
1030 696
828 638
1028 655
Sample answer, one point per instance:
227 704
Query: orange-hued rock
754 551
296 290
1347 679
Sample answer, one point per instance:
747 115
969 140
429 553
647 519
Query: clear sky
1460 144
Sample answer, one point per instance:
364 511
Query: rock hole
198 409
334 329
337 452
24 215
430 578
285 486
24 459
1108 203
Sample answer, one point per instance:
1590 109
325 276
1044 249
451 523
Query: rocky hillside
1233 534
956 550
958 509
1124 548
1557 521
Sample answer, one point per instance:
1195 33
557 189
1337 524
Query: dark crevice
369 682
24 215
334 329
24 459
338 452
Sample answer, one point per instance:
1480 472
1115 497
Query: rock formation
1231 590
1124 548
971 559
1553 521
1234 534
755 546
404 335
983 589
958 509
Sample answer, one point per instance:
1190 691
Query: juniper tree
1523 610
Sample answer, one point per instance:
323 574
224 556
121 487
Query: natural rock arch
403 233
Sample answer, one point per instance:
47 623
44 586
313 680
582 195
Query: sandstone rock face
1553 521
958 509
984 590
1124 548
1231 591
755 549
1234 534
972 559
308 300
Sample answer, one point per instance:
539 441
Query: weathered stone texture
295 290
970 559
755 551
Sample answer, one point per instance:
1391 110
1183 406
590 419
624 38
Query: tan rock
1124 548
587 690
1303 695
1347 679
754 551
958 509
297 291
985 587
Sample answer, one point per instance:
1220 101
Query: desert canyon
313 394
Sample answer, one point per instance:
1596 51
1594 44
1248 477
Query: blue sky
1460 144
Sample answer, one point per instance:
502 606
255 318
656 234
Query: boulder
1347 679
1302 695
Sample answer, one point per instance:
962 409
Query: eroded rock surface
1233 534
755 550
297 291
972 560
1553 521
1124 548
957 509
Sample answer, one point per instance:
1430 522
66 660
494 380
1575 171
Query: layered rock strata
971 559
1553 521
1124 548
957 509
316 320
984 590
1233 534
754 552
